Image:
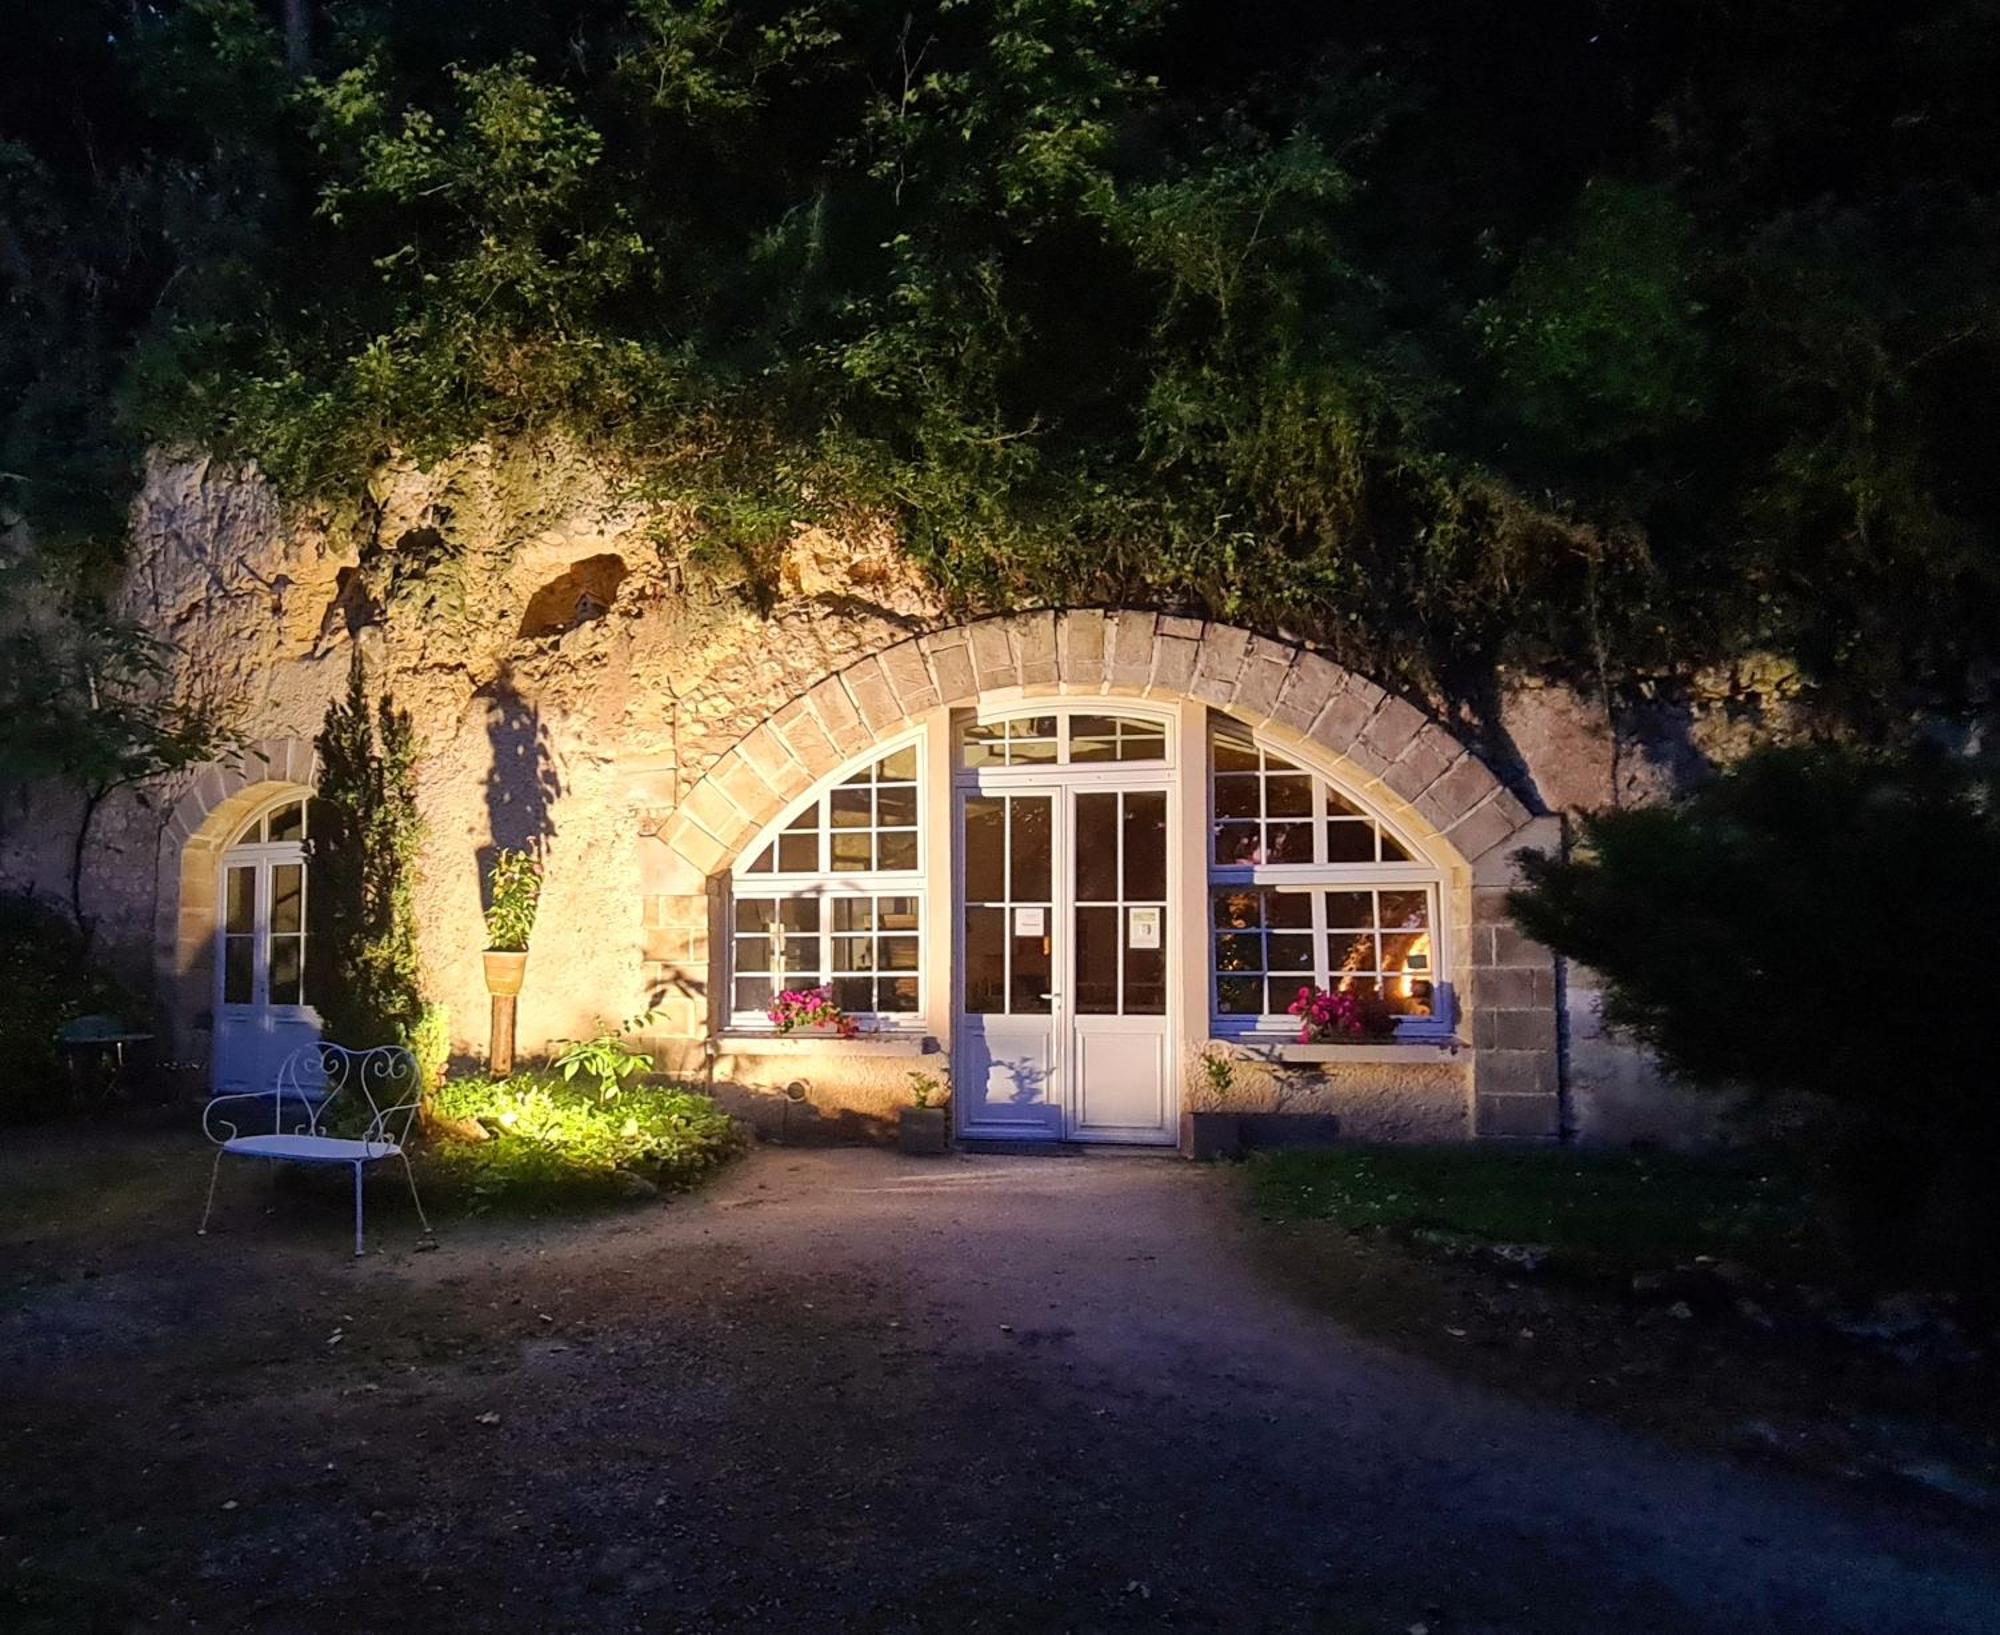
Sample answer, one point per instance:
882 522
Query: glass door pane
239 934
1120 875
288 934
1009 912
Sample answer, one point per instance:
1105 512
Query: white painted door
1062 1029
261 1012
1122 1083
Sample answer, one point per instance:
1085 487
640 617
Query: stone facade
643 737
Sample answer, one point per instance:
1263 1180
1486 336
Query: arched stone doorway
229 807
1378 751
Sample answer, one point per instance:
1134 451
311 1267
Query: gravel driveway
839 1390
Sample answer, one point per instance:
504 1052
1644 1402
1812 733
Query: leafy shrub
604 1058
46 979
554 1142
1815 924
514 889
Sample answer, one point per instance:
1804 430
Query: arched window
1309 888
832 896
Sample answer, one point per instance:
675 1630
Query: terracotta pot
505 971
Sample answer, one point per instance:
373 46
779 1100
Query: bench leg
357 1211
208 1208
411 1176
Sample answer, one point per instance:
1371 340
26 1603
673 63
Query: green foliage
552 1142
47 978
366 835
513 890
1612 337
430 1043
926 1088
604 1058
1594 1211
1808 925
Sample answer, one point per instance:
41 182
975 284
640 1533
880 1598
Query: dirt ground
837 1390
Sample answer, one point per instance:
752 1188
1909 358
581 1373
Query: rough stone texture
643 742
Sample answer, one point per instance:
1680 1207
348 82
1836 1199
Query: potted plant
1335 1016
513 890
924 1127
1210 1127
798 1009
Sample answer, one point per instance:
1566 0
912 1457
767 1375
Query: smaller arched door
262 1010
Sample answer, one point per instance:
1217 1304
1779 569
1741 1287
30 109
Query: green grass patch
551 1143
1591 1210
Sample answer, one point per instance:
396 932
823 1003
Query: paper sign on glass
1030 922
1143 928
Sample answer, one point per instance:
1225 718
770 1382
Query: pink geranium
1330 1014
798 1008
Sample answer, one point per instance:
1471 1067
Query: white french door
1063 1027
261 1013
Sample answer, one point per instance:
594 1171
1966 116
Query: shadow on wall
522 785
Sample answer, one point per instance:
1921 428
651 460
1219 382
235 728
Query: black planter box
924 1131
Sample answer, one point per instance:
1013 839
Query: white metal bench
323 1087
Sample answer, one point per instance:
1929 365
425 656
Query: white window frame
263 857
1319 877
828 885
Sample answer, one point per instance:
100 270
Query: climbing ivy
1597 334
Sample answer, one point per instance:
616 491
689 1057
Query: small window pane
854 993
765 861
853 913
1030 988
1350 910
1349 951
1288 795
896 994
799 854
1237 844
849 808
854 953
1240 995
753 953
1290 909
851 851
1406 910
1145 846
801 960
1290 951
896 808
1288 843
1350 842
799 913
754 913
1233 750
897 849
289 822
1393 850
1338 805
754 993
1242 951
899 765
896 913
897 954
1146 980
1236 797
1238 908
1097 852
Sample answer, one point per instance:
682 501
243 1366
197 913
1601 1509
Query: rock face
576 659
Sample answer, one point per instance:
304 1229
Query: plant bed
548 1142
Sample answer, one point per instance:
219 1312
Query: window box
825 1044
1362 1052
